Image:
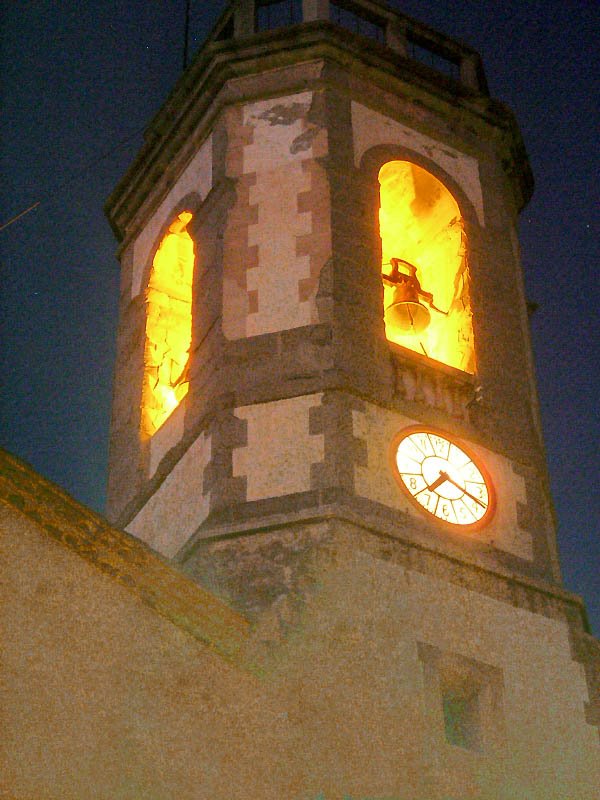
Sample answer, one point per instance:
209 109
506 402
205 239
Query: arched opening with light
427 306
168 325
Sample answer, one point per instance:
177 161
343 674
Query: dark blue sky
80 77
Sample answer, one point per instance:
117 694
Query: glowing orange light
168 325
420 223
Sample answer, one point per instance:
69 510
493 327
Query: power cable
61 184
18 216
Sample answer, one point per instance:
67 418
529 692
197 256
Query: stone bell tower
324 383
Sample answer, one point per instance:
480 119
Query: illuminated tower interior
421 225
168 325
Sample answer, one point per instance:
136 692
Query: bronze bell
405 312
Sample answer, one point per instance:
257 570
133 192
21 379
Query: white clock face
442 478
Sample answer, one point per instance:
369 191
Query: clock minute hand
445 477
472 496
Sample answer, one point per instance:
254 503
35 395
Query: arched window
168 325
427 307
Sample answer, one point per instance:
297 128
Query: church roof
123 558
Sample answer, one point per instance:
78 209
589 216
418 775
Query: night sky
82 79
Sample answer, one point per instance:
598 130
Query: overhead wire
117 146
61 184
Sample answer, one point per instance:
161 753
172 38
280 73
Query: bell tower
324 383
319 251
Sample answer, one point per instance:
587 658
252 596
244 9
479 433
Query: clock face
442 477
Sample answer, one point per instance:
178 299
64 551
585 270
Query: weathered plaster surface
538 725
280 143
125 702
196 177
103 697
346 627
536 697
178 506
280 451
371 128
374 480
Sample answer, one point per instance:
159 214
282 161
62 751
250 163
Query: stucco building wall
337 694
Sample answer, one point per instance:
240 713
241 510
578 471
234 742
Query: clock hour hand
438 482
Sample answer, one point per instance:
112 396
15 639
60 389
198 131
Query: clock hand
438 482
472 496
445 477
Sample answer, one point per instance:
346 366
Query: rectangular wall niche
460 707
463 700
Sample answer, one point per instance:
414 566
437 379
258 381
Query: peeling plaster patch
280 452
371 129
283 114
304 141
270 147
377 427
279 146
178 506
196 177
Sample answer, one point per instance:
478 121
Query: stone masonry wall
270 284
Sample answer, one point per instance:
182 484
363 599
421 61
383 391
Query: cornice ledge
196 99
527 589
